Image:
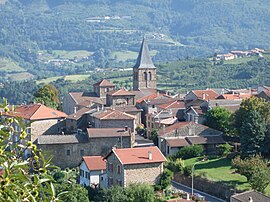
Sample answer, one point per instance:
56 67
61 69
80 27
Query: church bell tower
144 71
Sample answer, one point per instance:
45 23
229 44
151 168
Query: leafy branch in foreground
22 178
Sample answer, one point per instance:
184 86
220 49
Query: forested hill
105 28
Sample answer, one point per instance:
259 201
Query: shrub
224 149
188 170
176 165
190 152
165 179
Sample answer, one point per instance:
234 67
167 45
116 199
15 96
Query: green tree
165 179
73 192
189 152
224 149
140 193
48 95
255 169
252 134
113 194
154 136
219 118
249 105
22 179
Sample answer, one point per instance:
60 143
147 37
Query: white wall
94 175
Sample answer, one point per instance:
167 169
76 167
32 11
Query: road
188 189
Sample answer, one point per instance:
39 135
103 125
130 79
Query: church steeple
144 71
144 60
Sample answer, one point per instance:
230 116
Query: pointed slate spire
144 60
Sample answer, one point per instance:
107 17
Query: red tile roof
104 83
120 92
209 94
139 155
95 162
110 114
178 104
37 112
235 96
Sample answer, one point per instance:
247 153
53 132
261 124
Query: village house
178 135
264 92
68 150
39 119
208 94
93 172
250 196
134 165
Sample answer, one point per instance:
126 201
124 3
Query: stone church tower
144 71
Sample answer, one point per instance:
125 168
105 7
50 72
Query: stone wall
69 104
142 173
95 147
114 175
120 123
51 126
213 188
120 100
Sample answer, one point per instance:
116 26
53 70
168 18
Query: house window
110 167
168 149
118 169
68 152
150 76
110 181
81 173
101 178
82 152
145 76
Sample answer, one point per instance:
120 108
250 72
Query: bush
189 152
166 178
224 149
188 170
175 165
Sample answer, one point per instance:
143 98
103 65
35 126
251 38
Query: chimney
75 109
250 199
150 155
97 108
203 96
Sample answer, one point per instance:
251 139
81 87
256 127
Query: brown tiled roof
179 142
87 98
79 113
37 112
104 83
110 114
255 196
160 101
127 108
143 93
217 139
106 132
209 94
120 92
177 104
95 162
139 155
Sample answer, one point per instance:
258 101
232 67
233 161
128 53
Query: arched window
145 76
150 76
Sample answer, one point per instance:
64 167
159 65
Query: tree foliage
219 118
189 152
48 95
253 134
255 169
165 179
22 179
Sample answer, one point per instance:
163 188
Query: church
105 93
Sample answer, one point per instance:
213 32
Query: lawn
73 78
8 65
129 55
63 54
220 170
20 76
241 60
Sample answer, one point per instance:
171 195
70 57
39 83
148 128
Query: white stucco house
93 171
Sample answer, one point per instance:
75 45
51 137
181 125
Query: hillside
109 29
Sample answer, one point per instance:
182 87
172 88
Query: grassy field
43 55
72 78
8 65
241 60
129 55
220 170
20 76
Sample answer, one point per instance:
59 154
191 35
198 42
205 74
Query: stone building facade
68 150
134 165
